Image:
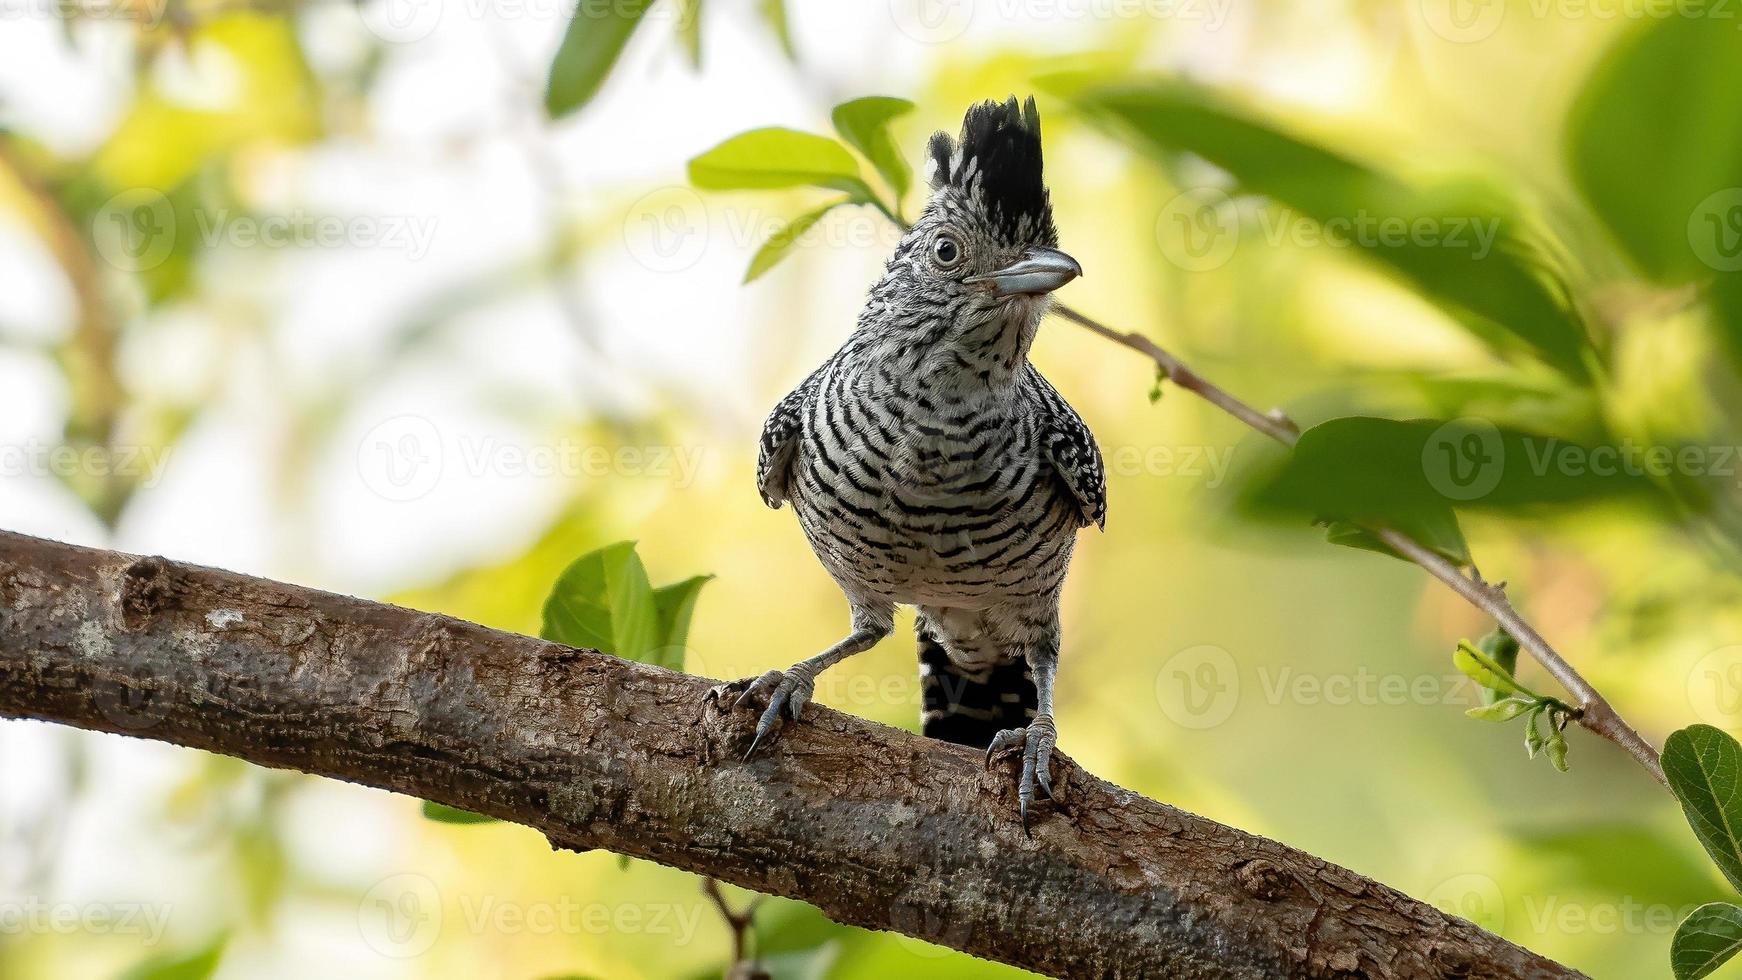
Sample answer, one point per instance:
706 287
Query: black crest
996 163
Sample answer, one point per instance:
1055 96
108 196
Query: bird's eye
946 251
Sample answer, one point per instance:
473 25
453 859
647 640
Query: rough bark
876 827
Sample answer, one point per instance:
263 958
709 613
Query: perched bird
930 464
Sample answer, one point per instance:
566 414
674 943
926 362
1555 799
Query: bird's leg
792 688
1038 739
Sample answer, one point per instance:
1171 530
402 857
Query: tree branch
1594 711
876 827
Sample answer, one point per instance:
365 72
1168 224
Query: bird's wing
1070 448
780 440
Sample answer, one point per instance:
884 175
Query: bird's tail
969 707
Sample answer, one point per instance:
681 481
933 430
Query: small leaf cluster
1490 666
774 157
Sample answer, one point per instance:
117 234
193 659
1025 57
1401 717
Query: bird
930 464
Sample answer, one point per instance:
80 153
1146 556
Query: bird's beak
1038 272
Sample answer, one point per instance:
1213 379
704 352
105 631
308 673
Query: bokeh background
408 338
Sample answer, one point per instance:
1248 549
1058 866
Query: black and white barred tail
969 707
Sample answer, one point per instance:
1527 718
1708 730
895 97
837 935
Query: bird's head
975 271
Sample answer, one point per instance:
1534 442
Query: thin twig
1594 711
741 924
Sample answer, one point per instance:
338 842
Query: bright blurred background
410 339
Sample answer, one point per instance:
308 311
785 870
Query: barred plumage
930 463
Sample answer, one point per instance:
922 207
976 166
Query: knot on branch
1263 880
147 589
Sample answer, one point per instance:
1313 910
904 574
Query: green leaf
1476 259
864 124
1407 473
1500 647
442 813
1656 132
595 37
197 965
1706 940
780 244
689 30
1505 710
1475 664
1556 747
1533 740
773 14
1435 529
1704 769
775 157
675 604
604 601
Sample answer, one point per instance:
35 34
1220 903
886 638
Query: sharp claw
1045 785
753 743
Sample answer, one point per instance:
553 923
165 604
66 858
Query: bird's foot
781 690
1037 741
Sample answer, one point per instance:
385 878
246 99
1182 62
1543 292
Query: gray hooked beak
1038 272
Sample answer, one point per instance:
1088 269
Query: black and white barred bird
930 464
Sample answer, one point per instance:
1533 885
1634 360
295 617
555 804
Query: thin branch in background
742 924
1594 712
